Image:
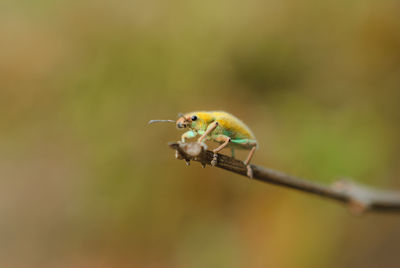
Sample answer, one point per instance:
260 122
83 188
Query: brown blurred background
85 182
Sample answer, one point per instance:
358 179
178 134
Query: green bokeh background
85 182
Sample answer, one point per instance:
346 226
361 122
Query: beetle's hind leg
247 162
225 140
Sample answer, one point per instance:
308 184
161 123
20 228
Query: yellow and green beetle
221 127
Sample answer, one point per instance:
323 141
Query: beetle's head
186 120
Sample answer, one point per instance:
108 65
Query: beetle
221 127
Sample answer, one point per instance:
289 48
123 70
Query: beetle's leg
188 135
233 152
225 140
210 128
247 162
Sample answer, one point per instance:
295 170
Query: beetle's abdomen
234 127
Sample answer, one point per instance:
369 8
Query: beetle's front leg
225 140
188 135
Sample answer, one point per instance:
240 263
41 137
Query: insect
221 127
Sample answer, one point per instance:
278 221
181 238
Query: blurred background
85 182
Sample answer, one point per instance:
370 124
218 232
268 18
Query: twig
359 198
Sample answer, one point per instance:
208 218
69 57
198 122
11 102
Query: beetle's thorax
203 120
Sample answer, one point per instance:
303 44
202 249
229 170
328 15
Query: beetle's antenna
157 121
168 120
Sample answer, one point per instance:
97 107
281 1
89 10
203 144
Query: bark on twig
359 198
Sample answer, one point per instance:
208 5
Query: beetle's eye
194 118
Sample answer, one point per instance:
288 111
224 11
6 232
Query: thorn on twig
359 197
178 155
